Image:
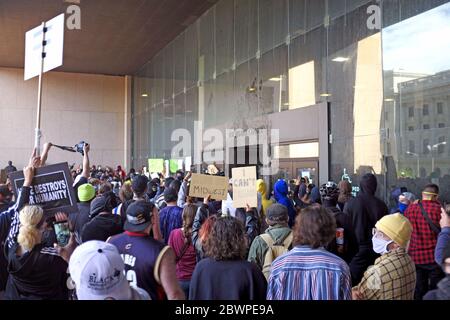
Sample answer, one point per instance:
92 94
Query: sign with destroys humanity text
51 188
244 187
203 185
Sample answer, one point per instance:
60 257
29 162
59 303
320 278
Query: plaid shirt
423 239
392 277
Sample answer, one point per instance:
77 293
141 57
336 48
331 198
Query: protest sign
155 165
52 188
188 163
173 165
244 187
203 185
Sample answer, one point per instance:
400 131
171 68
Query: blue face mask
402 207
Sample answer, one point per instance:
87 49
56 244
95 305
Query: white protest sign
188 163
53 49
203 185
244 187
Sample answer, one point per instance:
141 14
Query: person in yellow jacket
266 203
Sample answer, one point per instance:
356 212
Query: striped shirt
309 274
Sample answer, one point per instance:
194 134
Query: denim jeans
185 284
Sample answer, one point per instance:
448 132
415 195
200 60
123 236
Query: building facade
336 78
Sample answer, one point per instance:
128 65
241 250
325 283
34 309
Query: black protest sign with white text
51 188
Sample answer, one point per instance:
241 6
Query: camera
80 146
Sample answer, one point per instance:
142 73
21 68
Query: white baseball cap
97 270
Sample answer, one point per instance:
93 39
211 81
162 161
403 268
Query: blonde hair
29 234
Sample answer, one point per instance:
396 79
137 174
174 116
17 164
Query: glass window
206 55
298 150
224 36
441 145
191 53
417 74
426 146
412 146
410 128
246 30
168 71
273 24
179 64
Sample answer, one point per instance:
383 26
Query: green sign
173 165
155 165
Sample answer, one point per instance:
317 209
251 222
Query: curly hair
227 240
314 227
30 220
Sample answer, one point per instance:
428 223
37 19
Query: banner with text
52 188
203 185
244 187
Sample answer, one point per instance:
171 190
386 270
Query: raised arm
24 195
45 152
86 167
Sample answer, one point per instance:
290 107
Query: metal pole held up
38 133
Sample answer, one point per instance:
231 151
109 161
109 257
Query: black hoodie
363 212
36 275
102 227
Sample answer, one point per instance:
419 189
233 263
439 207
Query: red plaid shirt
423 239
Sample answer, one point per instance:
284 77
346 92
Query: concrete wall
74 107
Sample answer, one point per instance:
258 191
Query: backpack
274 251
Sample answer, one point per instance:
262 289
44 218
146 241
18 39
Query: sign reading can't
244 187
51 188
203 185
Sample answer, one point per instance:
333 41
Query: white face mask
380 245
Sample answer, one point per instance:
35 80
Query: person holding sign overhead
36 271
6 218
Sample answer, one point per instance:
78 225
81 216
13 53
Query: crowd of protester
138 236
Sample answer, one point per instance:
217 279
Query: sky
419 44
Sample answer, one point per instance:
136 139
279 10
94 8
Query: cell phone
62 233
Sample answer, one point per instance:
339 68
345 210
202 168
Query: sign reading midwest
203 185
244 187
51 188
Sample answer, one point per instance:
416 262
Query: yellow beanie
397 227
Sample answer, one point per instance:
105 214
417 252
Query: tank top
142 257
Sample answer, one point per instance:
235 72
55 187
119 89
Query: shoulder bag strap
433 227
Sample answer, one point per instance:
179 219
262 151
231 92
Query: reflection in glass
417 78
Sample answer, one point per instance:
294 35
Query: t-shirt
186 263
227 280
170 218
142 256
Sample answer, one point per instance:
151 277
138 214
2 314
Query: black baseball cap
139 184
139 215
